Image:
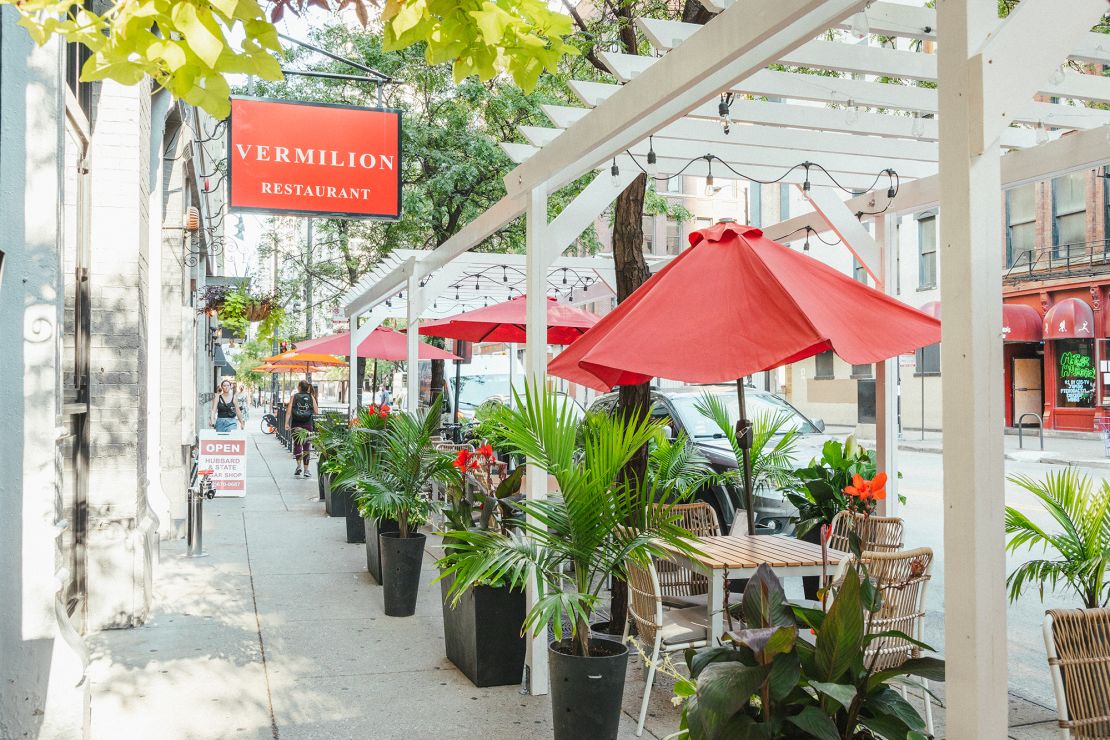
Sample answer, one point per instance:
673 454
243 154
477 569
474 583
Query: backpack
302 407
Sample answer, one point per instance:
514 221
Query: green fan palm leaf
1082 545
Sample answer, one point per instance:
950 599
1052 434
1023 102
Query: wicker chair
876 533
1078 646
902 578
666 632
678 584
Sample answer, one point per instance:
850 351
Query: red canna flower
462 460
486 450
384 414
385 409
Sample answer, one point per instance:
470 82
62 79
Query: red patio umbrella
504 322
382 344
734 304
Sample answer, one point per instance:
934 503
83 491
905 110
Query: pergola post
535 363
886 372
971 358
412 342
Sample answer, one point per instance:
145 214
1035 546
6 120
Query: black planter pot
323 480
482 634
586 693
372 528
337 501
356 530
811 584
600 631
402 559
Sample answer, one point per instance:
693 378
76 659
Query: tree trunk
360 375
634 400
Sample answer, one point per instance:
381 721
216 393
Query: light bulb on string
615 174
724 112
710 191
917 128
652 168
805 247
1041 133
851 113
564 276
859 27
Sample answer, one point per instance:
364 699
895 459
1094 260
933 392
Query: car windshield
759 404
477 389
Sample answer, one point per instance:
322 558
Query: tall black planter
323 480
402 559
372 528
337 500
586 693
356 530
482 634
811 584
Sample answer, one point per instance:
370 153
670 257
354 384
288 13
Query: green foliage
1082 544
594 525
521 38
186 47
406 462
677 469
239 307
820 495
767 682
773 445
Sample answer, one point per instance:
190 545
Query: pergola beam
852 93
1021 44
736 44
1075 151
806 117
850 230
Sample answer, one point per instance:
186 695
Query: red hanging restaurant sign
314 159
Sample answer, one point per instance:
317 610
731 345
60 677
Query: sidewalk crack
258 629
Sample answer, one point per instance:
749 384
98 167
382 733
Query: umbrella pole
744 438
374 387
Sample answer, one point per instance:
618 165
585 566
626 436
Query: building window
862 371
649 234
928 360
824 363
674 236
1069 211
1021 225
701 223
859 272
1075 373
927 252
784 202
674 184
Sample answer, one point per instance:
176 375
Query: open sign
226 456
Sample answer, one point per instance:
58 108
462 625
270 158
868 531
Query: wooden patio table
735 557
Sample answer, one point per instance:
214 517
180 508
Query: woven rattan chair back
700 519
876 533
1078 644
902 578
645 604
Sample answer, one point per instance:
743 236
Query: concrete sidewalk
279 633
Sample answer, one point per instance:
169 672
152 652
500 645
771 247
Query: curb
1029 456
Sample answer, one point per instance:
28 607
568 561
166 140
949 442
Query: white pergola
957 144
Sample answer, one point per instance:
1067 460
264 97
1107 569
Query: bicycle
269 424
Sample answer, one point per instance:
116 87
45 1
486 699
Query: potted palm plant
481 625
573 543
1082 512
405 463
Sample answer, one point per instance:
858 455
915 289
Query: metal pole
274 347
455 395
744 438
922 393
308 290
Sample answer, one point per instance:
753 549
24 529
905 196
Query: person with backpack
298 415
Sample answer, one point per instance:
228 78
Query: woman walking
298 415
243 399
225 412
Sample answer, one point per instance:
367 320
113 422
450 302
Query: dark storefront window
1075 373
824 362
927 360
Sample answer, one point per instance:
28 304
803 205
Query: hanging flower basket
258 310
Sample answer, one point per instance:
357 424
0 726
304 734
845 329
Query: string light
917 128
859 27
615 174
709 189
652 168
724 109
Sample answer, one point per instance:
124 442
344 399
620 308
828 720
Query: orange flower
462 460
486 450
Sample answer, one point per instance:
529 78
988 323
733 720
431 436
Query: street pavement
279 631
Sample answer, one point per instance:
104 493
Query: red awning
1020 323
1071 318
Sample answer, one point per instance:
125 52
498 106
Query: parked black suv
772 512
